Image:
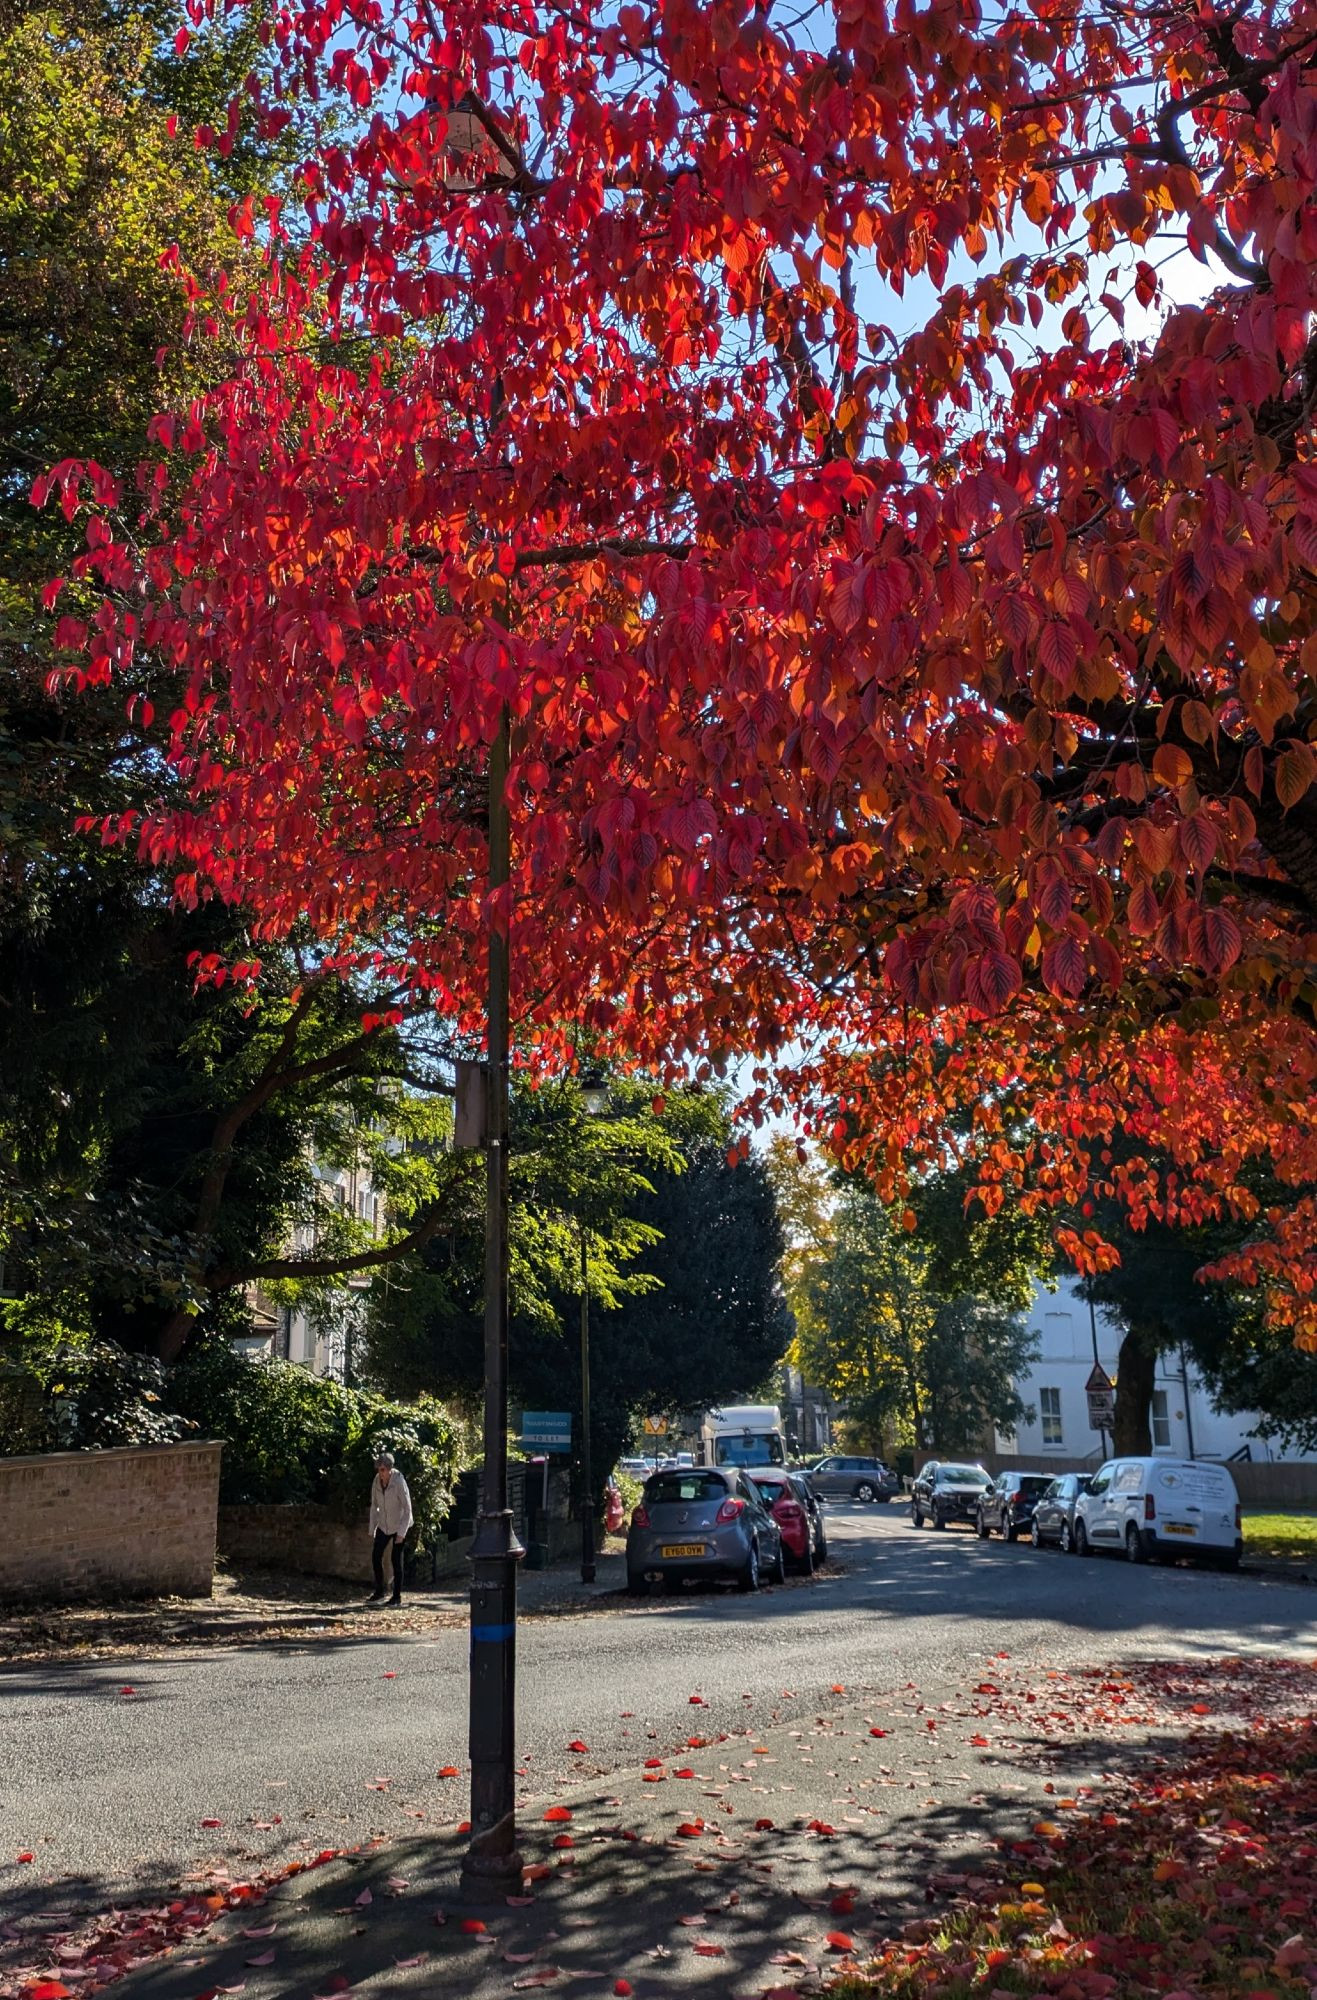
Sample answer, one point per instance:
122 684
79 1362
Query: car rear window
672 1489
1034 1482
773 1490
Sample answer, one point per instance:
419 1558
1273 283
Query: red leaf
838 1941
556 1813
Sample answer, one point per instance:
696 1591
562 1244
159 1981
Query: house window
1050 1405
1161 1421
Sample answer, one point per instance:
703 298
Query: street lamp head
594 1099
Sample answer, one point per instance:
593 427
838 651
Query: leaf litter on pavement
1216 1836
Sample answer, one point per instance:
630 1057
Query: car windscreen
749 1448
962 1475
675 1489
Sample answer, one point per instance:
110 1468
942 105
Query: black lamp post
594 1102
492 1865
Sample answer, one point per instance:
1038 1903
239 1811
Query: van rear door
1195 1503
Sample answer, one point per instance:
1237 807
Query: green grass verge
1280 1537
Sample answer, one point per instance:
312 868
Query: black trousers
382 1542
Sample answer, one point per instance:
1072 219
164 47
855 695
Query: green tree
682 1268
914 1321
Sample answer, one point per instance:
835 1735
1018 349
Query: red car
798 1514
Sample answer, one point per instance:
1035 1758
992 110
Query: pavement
849 1712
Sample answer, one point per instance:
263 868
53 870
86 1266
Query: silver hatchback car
702 1521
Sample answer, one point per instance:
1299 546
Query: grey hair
384 1458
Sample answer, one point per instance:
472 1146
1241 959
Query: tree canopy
903 604
682 1247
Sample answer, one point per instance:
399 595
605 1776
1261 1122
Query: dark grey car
851 1478
943 1493
707 1521
1054 1515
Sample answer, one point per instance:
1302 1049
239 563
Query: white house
288 1333
1072 1335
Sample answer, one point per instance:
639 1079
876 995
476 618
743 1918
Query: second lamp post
594 1103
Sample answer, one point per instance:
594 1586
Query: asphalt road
294 1744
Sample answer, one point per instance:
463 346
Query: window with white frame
1161 1421
1049 1404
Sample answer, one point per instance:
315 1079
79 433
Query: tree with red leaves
902 656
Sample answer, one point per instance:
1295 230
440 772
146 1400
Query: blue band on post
491 1635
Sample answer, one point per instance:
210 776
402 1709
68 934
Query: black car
1054 1514
1008 1503
945 1493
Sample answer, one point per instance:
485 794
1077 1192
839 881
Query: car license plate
1180 1528
682 1549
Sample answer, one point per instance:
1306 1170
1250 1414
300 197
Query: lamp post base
492 1865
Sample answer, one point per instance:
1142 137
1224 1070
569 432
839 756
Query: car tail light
1149 1507
1016 1497
729 1510
640 1519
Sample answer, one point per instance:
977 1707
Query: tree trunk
1136 1373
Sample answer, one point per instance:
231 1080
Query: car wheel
1011 1532
1230 1560
748 1578
1081 1540
805 1563
671 1584
1133 1544
821 1553
778 1573
916 1517
981 1524
864 1491
636 1585
939 1518
1035 1538
1067 1539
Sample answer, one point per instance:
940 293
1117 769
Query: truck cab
749 1434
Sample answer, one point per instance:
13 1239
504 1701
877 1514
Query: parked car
945 1493
1054 1511
702 1521
798 1513
1007 1505
1161 1507
849 1478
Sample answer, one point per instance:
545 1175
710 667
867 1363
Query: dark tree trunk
1136 1374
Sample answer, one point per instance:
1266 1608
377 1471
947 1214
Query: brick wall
132 1522
311 1541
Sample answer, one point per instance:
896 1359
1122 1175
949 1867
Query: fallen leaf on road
710 1950
364 1898
472 1926
556 1813
448 1771
838 1941
212 1822
580 1748
261 1958
544 1976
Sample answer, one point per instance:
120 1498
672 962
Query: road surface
294 1744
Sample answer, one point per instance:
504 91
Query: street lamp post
492 1865
594 1103
587 1503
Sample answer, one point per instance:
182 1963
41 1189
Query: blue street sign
546 1430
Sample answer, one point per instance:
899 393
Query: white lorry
744 1434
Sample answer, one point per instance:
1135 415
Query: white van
1166 1507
